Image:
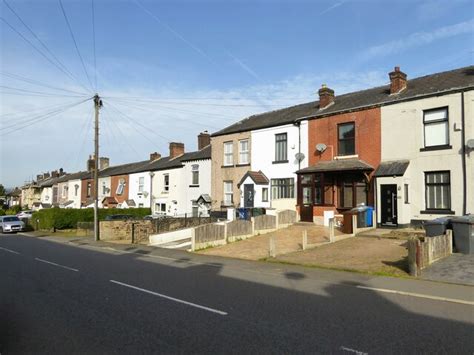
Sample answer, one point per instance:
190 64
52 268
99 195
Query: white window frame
120 186
228 153
141 184
166 184
228 193
195 175
244 154
439 118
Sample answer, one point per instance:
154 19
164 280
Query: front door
306 204
388 197
248 195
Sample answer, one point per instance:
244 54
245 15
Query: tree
2 190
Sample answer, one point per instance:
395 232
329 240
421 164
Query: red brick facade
114 182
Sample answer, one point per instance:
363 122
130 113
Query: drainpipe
463 155
151 191
298 124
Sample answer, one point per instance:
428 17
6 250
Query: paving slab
457 268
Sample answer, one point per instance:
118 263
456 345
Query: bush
67 218
13 210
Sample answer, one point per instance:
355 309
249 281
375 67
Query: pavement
61 295
457 268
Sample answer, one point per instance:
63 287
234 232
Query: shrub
67 218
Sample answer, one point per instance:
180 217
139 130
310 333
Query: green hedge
67 218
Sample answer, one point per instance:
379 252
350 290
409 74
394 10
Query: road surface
56 297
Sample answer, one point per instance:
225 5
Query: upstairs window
166 182
120 187
104 188
76 189
346 139
281 147
244 151
195 174
228 153
436 127
141 184
89 188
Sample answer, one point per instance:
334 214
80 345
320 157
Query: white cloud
417 39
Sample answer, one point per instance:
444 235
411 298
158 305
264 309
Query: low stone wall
135 231
424 251
85 229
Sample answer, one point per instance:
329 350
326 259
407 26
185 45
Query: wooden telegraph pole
97 106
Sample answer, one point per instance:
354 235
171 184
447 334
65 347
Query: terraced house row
404 148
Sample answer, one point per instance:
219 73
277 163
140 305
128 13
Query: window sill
227 166
437 212
348 156
246 164
193 185
280 162
436 147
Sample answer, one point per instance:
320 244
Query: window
76 188
65 191
228 194
104 188
244 151
89 188
265 194
406 193
323 190
141 184
346 135
228 153
281 151
195 174
166 182
436 127
195 208
283 188
120 187
352 192
160 207
140 205
438 190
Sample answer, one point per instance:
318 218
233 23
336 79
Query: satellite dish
145 193
470 143
299 156
321 147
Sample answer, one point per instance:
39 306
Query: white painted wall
47 195
263 155
104 181
257 199
175 197
402 138
133 192
193 193
72 196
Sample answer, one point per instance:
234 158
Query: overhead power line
39 83
40 41
39 92
93 39
40 52
75 43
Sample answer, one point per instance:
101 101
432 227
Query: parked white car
25 214
11 224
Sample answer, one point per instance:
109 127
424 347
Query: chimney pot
326 96
398 81
176 149
155 156
204 139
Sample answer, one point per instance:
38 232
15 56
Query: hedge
67 218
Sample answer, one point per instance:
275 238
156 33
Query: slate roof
204 153
258 178
429 85
122 169
337 165
392 168
205 197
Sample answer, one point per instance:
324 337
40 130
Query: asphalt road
59 298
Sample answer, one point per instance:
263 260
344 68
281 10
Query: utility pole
97 106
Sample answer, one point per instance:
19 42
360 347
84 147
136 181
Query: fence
422 253
208 235
264 222
286 217
239 228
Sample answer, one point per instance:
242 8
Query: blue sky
170 69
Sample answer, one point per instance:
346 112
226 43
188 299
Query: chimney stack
103 163
54 174
326 96
176 149
398 81
155 156
90 163
204 139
